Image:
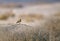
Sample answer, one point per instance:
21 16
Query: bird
18 21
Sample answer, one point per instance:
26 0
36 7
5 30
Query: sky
8 1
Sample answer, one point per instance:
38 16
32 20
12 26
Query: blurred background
29 12
29 20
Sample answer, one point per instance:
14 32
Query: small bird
18 21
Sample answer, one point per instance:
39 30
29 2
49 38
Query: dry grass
6 16
3 17
31 17
48 31
57 14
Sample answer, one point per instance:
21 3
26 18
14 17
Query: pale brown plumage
18 21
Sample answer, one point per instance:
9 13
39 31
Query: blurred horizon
27 1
